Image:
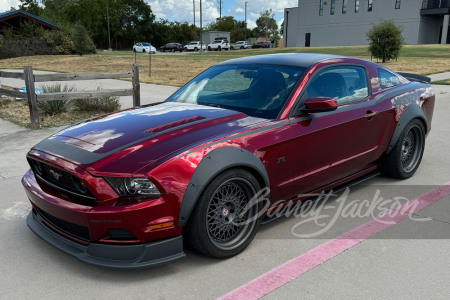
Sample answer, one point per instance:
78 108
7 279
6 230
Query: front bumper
113 256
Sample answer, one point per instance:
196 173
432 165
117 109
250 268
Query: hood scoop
174 124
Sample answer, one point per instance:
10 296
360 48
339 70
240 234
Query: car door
329 146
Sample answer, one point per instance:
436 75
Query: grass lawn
176 70
444 82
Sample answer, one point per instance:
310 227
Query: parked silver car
241 45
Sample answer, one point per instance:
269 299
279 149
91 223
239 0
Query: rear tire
209 48
404 159
219 48
214 227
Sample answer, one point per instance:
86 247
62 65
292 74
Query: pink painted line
290 270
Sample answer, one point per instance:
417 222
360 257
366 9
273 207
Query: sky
182 10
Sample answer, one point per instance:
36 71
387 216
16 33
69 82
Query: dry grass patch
18 113
421 66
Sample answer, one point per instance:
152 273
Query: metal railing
435 4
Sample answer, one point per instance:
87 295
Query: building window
370 4
397 4
344 7
321 8
357 6
332 6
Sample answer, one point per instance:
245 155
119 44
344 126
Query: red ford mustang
124 190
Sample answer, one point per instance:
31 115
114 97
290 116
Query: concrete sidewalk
439 76
150 93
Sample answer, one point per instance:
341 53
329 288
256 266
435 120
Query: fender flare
214 163
410 113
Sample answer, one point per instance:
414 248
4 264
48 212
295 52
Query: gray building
346 22
209 36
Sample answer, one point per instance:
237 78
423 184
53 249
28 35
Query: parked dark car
123 190
172 47
261 45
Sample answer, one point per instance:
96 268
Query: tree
31 6
82 42
385 40
266 26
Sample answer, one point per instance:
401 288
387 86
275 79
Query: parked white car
144 47
194 46
241 45
218 45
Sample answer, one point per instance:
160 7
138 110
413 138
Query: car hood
159 130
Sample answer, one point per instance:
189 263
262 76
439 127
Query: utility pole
246 19
201 29
107 19
220 8
193 4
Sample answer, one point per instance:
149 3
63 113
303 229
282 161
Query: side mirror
319 104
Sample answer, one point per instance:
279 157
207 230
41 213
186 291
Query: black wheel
134 49
404 159
209 48
220 226
195 49
242 47
143 50
219 49
172 50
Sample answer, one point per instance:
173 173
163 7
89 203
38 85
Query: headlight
126 186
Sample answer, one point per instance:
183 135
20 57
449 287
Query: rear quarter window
387 79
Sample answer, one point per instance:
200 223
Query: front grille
64 181
74 230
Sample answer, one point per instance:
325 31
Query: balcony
435 7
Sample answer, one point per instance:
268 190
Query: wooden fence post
31 96
136 86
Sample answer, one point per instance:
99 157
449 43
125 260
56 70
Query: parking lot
407 258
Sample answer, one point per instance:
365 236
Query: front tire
404 159
218 227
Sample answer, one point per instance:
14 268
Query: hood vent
174 124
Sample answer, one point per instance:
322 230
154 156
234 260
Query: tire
404 159
172 50
195 49
143 50
219 48
134 50
203 232
242 47
209 48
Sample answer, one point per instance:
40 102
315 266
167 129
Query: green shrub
24 47
55 107
99 105
60 41
82 42
385 40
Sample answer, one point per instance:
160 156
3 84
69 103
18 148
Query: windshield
256 90
145 44
193 43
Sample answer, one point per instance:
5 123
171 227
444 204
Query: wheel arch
410 113
214 163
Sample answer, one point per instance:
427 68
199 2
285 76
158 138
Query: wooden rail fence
34 98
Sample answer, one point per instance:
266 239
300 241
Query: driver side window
345 84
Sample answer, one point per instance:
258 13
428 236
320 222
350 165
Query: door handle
370 114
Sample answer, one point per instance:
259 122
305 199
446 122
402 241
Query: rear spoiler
415 77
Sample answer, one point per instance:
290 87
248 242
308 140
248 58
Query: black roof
303 60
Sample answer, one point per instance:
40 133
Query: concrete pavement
404 261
